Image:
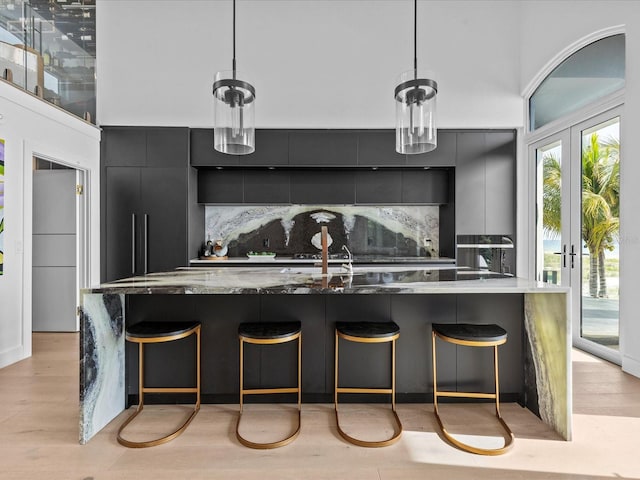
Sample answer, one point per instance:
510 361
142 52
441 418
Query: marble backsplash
288 229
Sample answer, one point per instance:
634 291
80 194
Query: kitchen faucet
348 267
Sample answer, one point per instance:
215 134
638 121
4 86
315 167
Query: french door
577 226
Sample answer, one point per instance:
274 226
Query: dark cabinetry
145 182
377 148
321 149
272 150
314 186
443 156
485 183
321 186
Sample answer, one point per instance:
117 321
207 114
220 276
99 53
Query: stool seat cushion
368 329
470 332
269 330
151 329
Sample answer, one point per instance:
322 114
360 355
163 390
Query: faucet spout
348 266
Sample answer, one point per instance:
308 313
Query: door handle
564 255
573 255
146 244
133 244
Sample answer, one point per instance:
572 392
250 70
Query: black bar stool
369 332
269 333
472 336
160 332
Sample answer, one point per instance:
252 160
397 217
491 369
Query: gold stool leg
461 445
398 424
298 390
142 390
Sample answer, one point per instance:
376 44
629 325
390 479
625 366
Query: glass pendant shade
234 114
416 130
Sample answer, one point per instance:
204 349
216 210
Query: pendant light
233 109
416 130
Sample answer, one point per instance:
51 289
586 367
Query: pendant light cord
234 39
415 38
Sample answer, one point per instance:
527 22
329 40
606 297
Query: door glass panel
600 151
549 218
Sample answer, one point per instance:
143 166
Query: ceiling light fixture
416 130
233 109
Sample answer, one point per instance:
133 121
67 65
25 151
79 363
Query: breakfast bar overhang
535 363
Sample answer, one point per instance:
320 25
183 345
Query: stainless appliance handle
133 244
146 244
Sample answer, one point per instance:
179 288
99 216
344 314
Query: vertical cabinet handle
133 244
146 244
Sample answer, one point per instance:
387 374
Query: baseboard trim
11 356
631 366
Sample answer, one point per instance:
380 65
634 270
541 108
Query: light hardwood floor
39 432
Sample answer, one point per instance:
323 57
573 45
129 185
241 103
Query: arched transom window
592 72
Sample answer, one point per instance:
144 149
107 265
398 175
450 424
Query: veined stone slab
102 367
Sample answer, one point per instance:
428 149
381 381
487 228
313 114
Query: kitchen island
535 362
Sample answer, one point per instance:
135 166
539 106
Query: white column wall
31 127
550 27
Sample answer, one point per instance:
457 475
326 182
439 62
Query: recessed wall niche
411 231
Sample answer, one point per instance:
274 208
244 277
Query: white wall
31 127
314 63
550 27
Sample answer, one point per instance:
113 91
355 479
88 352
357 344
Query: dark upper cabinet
167 147
396 186
266 187
243 186
485 183
470 183
204 155
377 148
144 146
378 186
425 186
272 149
443 156
314 186
124 147
323 148
500 183
220 186
145 203
317 187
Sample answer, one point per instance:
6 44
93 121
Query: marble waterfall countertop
546 339
309 280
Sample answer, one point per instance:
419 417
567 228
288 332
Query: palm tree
600 206
600 203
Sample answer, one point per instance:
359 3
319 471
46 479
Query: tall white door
577 225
